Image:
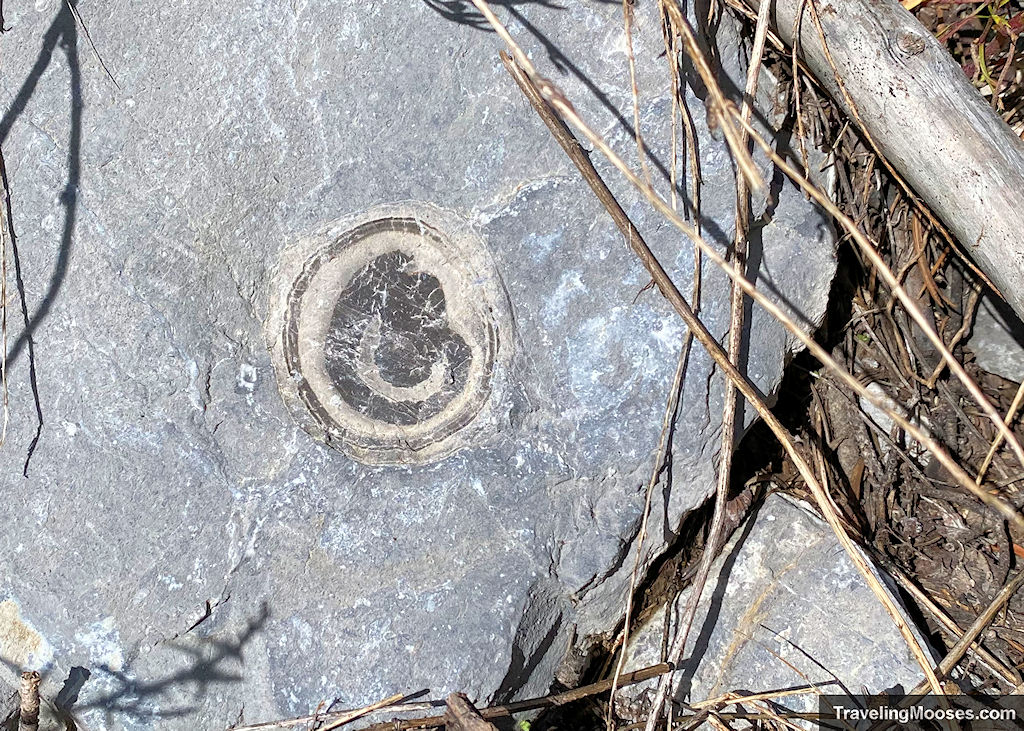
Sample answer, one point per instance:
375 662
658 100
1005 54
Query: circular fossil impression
386 334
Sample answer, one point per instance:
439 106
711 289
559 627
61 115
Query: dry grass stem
1011 413
333 720
548 701
965 326
719 104
680 111
360 712
627 27
729 406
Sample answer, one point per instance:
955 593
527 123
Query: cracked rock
783 607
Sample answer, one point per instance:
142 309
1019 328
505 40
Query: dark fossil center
390 351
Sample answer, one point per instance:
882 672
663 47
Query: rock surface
997 339
180 552
783 608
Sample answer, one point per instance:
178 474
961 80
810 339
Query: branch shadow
206 667
463 13
130 698
62 33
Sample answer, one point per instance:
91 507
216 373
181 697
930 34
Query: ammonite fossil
386 333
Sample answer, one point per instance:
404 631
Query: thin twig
678 104
671 407
965 326
795 72
661 460
920 238
719 104
627 23
696 177
463 716
359 713
978 626
532 704
336 719
1010 414
986 658
686 116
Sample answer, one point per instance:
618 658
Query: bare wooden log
926 118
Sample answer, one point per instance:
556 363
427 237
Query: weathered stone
186 550
783 608
997 339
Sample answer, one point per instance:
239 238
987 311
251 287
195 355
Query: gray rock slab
180 551
784 607
997 339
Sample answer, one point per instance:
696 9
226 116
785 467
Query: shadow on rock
209 662
62 33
